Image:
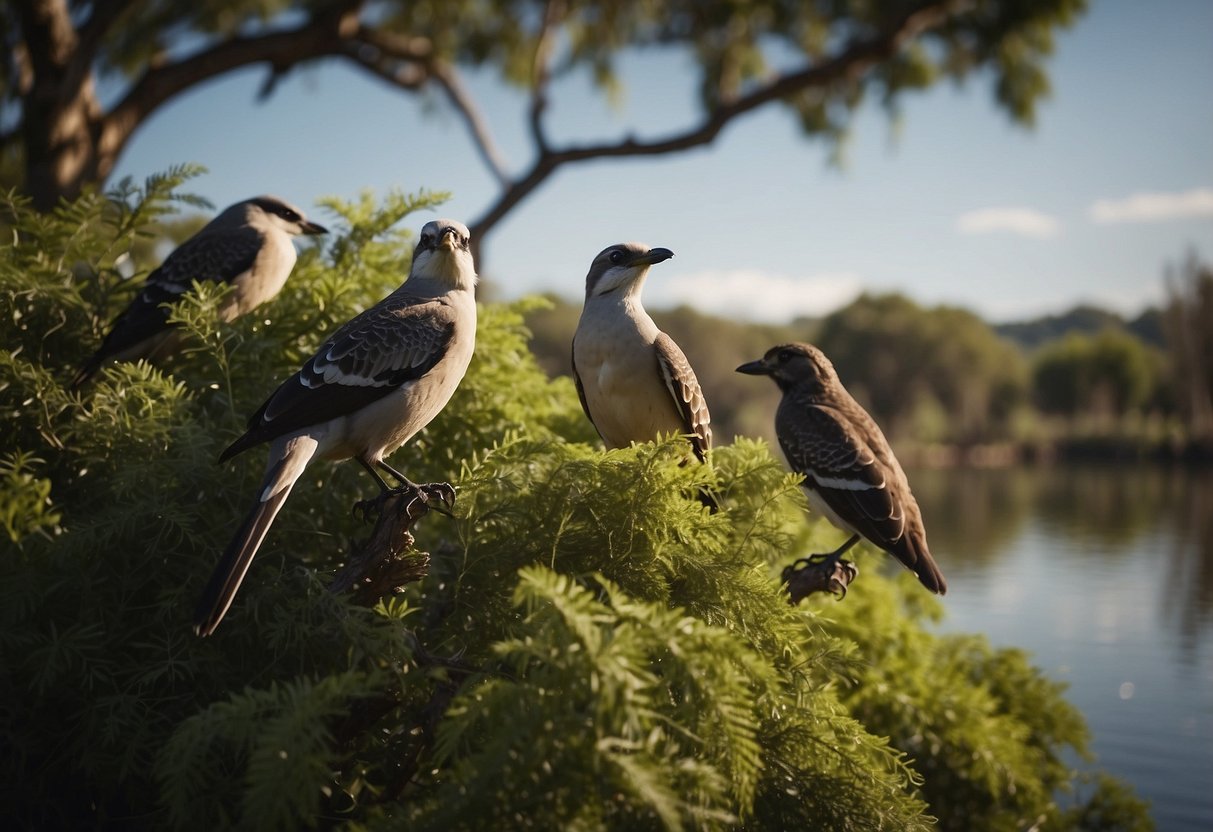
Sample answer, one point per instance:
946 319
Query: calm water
1105 575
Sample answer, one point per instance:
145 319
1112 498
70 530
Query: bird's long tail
926 569
288 461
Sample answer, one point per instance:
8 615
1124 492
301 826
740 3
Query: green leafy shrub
592 649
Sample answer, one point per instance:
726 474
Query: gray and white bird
374 383
850 473
248 246
633 380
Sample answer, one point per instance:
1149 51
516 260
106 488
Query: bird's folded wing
838 462
684 389
385 347
219 257
585 405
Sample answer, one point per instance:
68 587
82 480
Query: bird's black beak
653 255
309 227
754 368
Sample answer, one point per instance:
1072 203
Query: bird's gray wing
585 405
219 256
832 449
684 389
389 345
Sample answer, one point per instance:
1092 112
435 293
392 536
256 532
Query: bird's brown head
280 214
444 253
794 365
622 266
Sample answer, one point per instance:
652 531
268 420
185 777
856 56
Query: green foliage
900 359
24 497
1108 374
985 730
592 649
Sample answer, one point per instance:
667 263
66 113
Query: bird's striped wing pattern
847 461
387 346
840 465
217 257
684 389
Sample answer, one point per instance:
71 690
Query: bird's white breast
617 364
385 425
265 278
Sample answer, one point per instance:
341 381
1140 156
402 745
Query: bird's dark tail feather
225 580
928 571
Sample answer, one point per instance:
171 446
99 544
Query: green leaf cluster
592 649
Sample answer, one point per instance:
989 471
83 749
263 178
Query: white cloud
1154 207
1023 221
755 295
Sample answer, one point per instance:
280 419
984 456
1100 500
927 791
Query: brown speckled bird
851 475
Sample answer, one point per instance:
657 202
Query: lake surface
1105 575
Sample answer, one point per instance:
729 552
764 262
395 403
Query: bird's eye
784 356
616 257
427 240
289 215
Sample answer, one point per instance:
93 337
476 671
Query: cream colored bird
248 246
375 383
633 380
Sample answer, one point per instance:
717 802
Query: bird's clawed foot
437 496
417 499
818 573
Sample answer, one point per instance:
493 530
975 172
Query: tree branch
408 77
466 106
553 14
320 37
852 61
50 37
103 17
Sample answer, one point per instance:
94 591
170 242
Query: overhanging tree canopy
821 59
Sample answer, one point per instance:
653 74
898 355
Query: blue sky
953 204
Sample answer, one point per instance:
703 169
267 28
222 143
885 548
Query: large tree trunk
60 110
60 146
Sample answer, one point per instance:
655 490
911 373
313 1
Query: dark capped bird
850 473
248 246
633 380
377 381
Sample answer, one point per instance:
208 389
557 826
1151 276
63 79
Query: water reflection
1106 575
1189 570
1100 514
